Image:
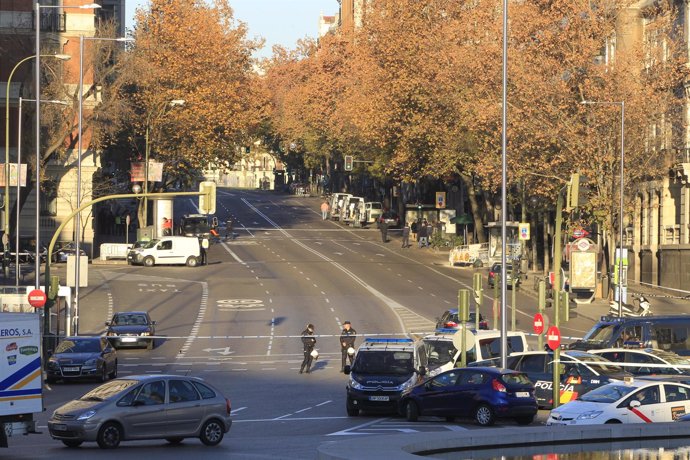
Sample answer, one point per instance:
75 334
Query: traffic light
207 200
348 162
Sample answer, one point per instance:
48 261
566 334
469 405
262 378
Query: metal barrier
114 250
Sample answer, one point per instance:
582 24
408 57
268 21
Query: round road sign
37 298
469 339
538 323
553 337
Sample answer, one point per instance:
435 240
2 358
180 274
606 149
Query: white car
645 361
639 401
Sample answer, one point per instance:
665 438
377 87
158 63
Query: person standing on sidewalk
422 234
406 236
325 207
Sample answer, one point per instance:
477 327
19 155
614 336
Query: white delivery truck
21 387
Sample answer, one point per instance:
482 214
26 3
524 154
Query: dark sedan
131 329
482 393
451 320
63 250
82 357
391 218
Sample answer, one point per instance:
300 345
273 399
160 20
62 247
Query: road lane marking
232 253
197 323
349 431
324 403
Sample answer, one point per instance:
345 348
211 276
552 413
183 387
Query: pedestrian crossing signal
348 162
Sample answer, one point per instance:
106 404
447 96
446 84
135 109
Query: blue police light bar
446 330
612 319
377 340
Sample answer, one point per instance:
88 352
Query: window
152 394
647 396
49 198
445 380
165 245
676 393
182 391
206 392
670 337
532 363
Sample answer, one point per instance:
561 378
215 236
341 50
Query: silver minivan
169 407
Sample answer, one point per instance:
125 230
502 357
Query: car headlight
407 384
145 333
590 415
52 363
355 384
87 415
111 333
90 362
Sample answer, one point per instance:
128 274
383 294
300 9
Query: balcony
51 21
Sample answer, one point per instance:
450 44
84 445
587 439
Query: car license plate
522 394
379 398
60 427
128 339
70 369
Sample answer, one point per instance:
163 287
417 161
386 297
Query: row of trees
417 90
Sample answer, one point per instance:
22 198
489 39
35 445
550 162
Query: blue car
482 393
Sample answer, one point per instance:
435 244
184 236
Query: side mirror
635 403
347 369
422 371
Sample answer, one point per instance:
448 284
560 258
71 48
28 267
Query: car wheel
352 410
613 421
72 442
174 440
149 262
113 374
192 261
483 415
212 432
109 436
525 420
411 411
104 373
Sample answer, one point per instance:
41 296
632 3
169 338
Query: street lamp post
77 218
6 202
621 204
19 184
147 151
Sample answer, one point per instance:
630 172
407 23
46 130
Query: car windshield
384 362
108 390
439 352
150 244
79 346
607 393
129 320
376 206
601 333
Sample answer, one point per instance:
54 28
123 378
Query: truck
21 381
197 225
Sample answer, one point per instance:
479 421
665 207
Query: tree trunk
475 207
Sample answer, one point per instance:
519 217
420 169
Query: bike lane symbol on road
240 305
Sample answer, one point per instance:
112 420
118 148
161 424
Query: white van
443 356
337 202
353 210
167 250
372 211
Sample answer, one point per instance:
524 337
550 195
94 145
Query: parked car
450 320
581 373
495 273
63 249
638 401
82 357
391 218
648 361
131 329
481 393
170 407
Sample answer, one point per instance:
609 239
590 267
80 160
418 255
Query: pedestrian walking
383 226
422 234
325 207
308 343
347 344
229 229
406 236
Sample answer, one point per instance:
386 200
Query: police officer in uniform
347 341
308 342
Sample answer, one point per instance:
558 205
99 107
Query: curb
507 440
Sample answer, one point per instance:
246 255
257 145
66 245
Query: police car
581 373
382 369
639 401
647 361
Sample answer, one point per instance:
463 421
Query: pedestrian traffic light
348 162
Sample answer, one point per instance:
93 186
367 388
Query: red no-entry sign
538 323
37 298
553 337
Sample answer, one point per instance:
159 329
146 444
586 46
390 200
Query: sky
280 22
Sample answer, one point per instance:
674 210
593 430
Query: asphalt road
236 323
